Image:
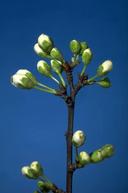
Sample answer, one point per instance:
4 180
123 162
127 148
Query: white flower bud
104 68
37 168
44 68
83 158
45 43
23 79
28 172
39 51
78 138
86 56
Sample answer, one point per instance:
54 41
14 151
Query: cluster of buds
23 78
45 48
81 49
105 152
83 158
34 171
78 139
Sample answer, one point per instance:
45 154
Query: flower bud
105 83
44 68
104 68
45 42
56 54
37 168
83 158
96 156
75 47
56 66
78 138
84 46
28 172
44 186
107 150
23 79
86 56
39 51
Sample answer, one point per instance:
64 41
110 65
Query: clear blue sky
32 123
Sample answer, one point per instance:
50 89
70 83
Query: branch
55 189
81 83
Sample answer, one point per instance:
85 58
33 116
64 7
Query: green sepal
105 82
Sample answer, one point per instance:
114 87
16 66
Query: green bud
56 66
83 158
45 42
107 150
44 186
86 56
84 46
96 156
105 83
75 47
104 68
28 172
40 52
56 54
44 68
23 79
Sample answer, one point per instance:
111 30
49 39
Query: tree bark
69 176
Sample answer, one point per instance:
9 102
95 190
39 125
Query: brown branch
55 189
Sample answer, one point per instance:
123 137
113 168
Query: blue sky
33 123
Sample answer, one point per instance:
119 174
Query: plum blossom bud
28 172
45 42
75 47
78 138
84 158
107 150
84 46
96 156
86 56
104 68
36 168
105 83
39 51
44 68
56 54
23 79
44 186
56 66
